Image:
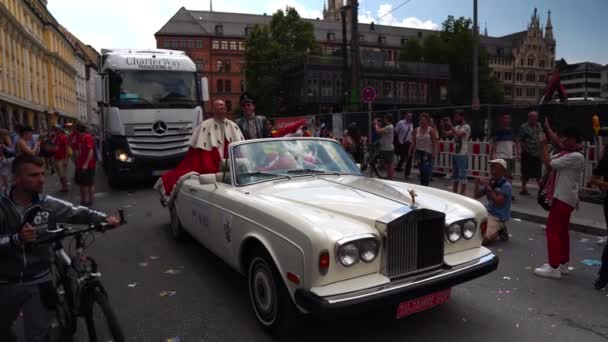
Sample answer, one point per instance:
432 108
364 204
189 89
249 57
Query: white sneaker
564 269
548 272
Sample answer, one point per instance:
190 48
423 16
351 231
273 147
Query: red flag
289 129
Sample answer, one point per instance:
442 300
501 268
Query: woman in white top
425 147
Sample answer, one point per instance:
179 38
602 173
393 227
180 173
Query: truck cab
150 103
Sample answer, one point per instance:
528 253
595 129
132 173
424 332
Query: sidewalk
589 218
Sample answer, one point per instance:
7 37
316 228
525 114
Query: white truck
150 103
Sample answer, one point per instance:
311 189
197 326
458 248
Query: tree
269 48
411 51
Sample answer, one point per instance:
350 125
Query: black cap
245 98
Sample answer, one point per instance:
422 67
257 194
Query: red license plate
422 303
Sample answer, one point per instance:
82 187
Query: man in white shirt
404 131
461 133
568 166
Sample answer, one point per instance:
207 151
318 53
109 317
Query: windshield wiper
315 171
259 173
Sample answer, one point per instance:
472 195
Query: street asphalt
210 301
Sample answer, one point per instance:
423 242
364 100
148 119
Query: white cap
502 162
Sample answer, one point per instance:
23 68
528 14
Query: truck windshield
153 88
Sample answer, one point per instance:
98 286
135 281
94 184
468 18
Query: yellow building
37 73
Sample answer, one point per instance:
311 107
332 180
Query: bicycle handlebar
63 231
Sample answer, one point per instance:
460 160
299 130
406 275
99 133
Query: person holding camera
386 145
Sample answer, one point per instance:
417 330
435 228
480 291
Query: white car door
201 214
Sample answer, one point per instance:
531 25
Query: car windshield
266 160
152 88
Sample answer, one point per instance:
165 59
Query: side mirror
98 88
204 89
206 179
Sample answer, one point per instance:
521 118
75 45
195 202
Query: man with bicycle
25 279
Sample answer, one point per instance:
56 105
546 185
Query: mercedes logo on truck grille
159 127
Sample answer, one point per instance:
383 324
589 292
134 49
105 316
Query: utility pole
345 83
355 58
475 59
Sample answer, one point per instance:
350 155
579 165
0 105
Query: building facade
37 66
581 80
81 87
523 60
604 82
216 43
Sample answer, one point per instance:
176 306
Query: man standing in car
252 126
25 279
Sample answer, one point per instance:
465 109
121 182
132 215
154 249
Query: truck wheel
177 230
270 299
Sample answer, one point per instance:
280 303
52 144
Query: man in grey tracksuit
25 279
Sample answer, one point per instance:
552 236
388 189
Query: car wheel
177 230
270 299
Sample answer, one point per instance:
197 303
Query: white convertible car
313 236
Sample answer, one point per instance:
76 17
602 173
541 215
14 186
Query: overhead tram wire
392 10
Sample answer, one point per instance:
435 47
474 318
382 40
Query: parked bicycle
375 162
77 281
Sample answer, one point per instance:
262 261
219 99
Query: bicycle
77 282
376 162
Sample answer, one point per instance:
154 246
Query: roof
580 67
502 45
187 22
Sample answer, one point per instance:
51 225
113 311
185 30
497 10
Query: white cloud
387 18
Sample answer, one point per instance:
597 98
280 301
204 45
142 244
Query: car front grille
414 242
143 141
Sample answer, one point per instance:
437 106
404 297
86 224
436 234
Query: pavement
203 299
588 218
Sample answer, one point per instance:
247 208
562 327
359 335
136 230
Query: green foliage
269 48
454 46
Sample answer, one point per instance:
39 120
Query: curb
581 228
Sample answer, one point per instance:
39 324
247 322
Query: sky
577 25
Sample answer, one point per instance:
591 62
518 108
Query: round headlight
454 232
469 229
368 250
123 157
348 255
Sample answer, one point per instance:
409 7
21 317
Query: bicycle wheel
379 166
102 323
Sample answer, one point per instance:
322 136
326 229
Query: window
215 45
220 65
530 77
497 75
521 61
419 34
227 65
228 105
541 78
518 91
242 46
247 30
403 41
361 38
507 76
228 86
191 44
199 64
233 45
519 77
331 36
530 92
224 45
219 29
508 91
541 64
220 86
530 61
242 86
182 44
382 39
199 44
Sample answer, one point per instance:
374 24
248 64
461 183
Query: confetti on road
516 219
591 262
506 278
529 268
172 271
154 257
143 264
517 325
132 285
570 268
531 239
167 293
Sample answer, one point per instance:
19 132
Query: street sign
368 95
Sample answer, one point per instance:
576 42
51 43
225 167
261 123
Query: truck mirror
98 88
204 89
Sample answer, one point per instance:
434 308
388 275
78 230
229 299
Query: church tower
331 12
549 31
